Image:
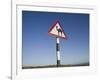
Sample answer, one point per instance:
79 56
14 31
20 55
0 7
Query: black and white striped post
58 51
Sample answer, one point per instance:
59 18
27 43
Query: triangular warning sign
57 30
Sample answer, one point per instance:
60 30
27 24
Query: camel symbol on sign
59 31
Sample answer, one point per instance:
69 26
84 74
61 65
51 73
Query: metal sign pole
58 51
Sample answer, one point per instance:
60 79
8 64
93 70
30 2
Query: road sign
57 30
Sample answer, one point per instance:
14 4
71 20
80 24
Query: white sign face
57 30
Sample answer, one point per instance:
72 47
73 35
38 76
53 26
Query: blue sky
40 49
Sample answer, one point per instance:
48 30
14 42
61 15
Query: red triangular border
57 35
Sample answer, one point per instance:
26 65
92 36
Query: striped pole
58 51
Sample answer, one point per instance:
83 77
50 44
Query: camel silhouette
59 30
